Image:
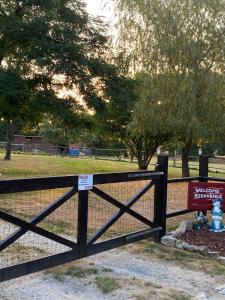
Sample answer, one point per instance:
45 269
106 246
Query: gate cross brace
124 208
34 221
26 225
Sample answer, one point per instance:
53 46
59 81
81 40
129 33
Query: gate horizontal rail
46 183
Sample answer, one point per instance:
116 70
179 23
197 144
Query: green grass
189 260
73 271
56 226
106 284
39 165
30 165
179 295
80 272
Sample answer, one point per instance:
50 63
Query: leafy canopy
185 42
53 44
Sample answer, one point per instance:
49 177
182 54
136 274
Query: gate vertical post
203 170
82 223
203 167
160 198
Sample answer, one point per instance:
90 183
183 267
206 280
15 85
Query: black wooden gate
27 231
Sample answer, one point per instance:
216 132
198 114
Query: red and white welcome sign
202 194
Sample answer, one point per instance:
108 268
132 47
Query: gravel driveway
139 278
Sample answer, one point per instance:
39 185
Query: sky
97 8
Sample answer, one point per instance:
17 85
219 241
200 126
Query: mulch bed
203 237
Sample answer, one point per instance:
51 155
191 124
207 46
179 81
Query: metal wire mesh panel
27 205
216 166
45 222
175 166
100 211
177 194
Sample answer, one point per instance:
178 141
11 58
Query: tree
185 41
121 97
14 103
46 46
150 125
62 132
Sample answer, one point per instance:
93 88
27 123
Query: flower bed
203 241
215 241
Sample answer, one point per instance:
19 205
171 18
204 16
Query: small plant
106 284
218 269
80 273
179 295
152 285
60 273
58 276
107 270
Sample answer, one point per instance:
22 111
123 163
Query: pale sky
97 8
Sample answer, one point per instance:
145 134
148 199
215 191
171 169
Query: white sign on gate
85 182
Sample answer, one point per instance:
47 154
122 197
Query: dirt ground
141 272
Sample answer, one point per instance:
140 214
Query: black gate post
203 167
82 223
160 198
203 170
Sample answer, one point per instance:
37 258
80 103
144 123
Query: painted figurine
216 214
200 220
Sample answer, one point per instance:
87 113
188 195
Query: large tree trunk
142 164
144 148
9 137
185 156
144 159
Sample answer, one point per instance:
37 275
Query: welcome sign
202 194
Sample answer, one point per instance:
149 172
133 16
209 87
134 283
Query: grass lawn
33 165
40 165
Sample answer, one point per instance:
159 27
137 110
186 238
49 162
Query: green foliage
13 95
182 42
151 125
121 93
46 46
61 132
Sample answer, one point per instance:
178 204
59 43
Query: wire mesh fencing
57 214
100 211
114 155
175 166
177 196
123 155
27 205
216 167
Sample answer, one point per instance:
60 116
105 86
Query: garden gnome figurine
216 213
200 220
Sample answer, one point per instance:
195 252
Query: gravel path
135 274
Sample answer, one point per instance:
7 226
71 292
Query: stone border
172 239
